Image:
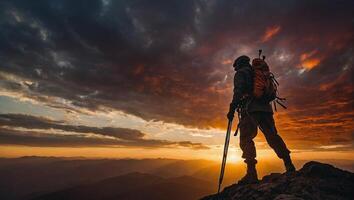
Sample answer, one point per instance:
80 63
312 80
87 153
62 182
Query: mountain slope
315 181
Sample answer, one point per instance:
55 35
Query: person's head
241 61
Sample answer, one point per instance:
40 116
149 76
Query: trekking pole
226 147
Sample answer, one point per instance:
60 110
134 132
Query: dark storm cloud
30 135
163 60
32 122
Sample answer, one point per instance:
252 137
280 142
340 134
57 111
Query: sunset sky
140 78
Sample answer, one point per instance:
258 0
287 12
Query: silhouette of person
258 113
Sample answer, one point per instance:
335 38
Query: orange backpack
264 84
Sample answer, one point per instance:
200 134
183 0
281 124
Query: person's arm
239 87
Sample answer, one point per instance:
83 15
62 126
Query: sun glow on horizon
234 155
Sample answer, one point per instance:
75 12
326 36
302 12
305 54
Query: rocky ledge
315 181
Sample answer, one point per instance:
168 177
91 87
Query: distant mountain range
136 186
31 177
50 177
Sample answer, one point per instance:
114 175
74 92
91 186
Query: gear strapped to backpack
265 86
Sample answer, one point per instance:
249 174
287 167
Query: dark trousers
248 131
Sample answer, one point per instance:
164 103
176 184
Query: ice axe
226 147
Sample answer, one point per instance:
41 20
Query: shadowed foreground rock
315 181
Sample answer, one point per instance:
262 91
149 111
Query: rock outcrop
315 181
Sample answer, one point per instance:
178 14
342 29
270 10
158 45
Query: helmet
242 60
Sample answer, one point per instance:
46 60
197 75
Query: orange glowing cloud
311 63
270 33
308 60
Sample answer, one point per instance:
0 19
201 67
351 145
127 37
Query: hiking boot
289 166
250 177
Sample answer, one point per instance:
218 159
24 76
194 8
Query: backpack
265 86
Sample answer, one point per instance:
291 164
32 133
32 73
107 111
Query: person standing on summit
255 111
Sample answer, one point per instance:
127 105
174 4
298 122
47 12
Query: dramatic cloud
171 60
270 32
37 131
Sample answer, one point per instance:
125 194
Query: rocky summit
315 181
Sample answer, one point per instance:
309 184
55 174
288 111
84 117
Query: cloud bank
170 60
